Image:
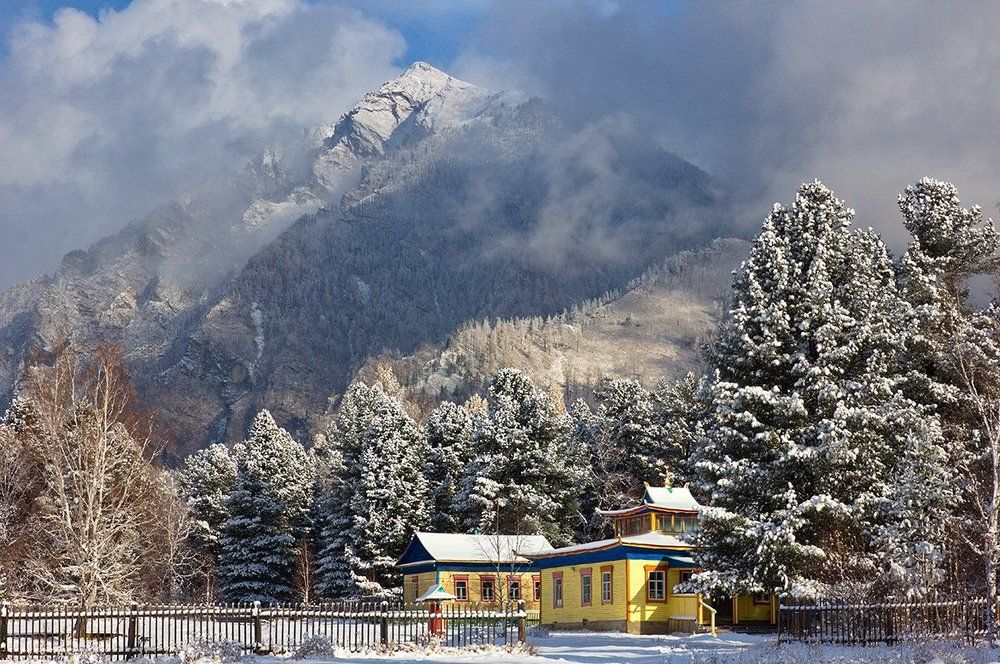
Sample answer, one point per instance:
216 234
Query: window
414 585
635 525
683 577
557 590
586 589
514 591
606 594
462 589
537 582
761 599
487 590
656 587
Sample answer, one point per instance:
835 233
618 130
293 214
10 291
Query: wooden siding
628 588
447 580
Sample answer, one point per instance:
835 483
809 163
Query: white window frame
605 587
656 585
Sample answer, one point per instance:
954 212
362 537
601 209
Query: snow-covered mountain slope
432 203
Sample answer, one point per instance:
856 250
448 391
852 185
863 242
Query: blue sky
436 32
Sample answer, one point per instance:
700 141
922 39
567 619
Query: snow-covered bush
213 652
87 657
316 646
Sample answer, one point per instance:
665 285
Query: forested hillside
650 330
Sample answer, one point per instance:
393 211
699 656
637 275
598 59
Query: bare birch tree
976 363
94 517
174 564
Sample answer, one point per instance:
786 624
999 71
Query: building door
723 609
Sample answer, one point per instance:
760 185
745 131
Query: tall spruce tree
449 432
269 511
374 495
525 477
804 419
206 480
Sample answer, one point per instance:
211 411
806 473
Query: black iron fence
122 632
890 622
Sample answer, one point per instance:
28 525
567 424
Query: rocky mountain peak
365 130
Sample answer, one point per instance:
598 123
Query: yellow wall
572 611
424 581
639 608
447 579
748 611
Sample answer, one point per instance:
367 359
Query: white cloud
867 96
101 119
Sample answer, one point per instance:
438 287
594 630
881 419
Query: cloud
867 96
102 119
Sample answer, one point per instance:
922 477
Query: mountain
431 204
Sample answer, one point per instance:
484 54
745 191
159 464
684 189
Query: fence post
133 630
522 622
258 629
4 612
779 623
384 624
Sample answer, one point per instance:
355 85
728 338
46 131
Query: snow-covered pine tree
914 519
602 476
269 509
374 494
681 406
205 482
635 428
449 431
525 476
805 422
950 244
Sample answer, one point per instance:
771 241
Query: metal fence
890 622
123 632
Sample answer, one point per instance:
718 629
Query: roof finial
668 479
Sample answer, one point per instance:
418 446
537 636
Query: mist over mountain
431 204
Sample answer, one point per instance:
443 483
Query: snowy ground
585 648
615 648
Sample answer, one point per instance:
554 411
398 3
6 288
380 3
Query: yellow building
627 583
474 568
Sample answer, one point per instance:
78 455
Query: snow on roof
661 497
645 539
458 547
671 498
435 592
